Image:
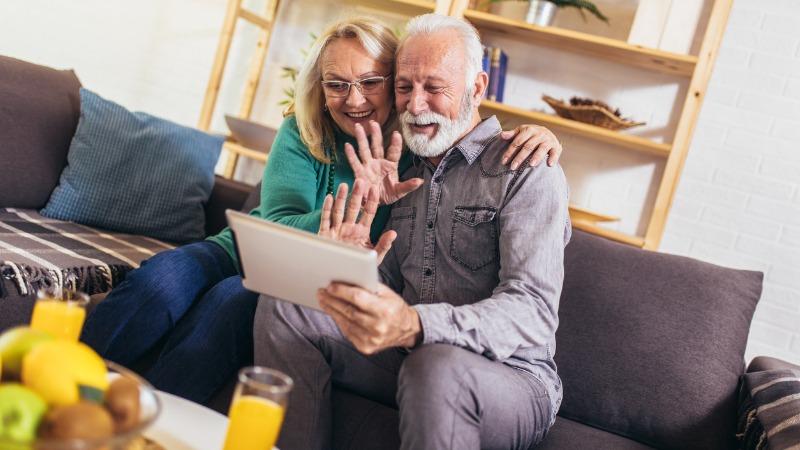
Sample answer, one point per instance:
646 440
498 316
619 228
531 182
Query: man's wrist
413 329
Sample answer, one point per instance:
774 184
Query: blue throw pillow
135 173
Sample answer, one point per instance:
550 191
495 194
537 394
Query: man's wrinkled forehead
439 54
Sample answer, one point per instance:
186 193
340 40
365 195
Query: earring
324 106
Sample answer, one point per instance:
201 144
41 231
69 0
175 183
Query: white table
184 425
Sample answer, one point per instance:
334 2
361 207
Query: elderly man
461 337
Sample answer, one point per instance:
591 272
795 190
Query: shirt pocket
473 239
402 220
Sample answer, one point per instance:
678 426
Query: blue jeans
191 296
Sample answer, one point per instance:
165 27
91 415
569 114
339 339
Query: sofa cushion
37 252
39 110
651 345
566 434
135 173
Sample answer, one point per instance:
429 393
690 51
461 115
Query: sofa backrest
650 345
39 111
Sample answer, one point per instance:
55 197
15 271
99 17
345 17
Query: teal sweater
295 183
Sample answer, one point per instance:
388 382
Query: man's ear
481 84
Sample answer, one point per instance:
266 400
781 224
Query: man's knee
431 372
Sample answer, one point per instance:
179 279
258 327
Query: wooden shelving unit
404 7
587 44
697 69
623 141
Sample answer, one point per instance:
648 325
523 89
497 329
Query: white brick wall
742 175
738 203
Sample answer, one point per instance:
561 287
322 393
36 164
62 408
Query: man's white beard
447 130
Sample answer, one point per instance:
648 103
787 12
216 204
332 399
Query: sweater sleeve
291 180
288 188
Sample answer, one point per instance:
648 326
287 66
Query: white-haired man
461 337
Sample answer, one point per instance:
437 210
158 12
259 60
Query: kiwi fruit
122 401
83 420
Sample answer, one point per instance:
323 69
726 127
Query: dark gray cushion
566 434
39 110
651 345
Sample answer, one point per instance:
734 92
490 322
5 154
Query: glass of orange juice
257 409
60 313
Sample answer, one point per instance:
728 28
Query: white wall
738 203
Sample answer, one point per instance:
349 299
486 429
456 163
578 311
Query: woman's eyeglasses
366 86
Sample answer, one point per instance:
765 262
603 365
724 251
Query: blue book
486 67
498 62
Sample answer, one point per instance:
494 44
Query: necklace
332 172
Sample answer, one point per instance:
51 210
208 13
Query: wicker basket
594 115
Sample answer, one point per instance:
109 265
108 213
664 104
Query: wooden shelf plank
579 128
636 241
241 150
596 46
404 7
580 214
254 18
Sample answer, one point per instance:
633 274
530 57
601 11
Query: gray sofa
39 112
650 346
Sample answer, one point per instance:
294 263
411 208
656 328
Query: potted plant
542 12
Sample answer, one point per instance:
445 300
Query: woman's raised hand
379 168
349 221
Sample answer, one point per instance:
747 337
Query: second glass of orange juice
60 314
257 409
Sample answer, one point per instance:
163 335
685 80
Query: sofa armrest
227 194
761 363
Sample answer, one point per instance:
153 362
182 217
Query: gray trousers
448 397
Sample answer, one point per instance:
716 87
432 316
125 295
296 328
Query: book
498 63
486 67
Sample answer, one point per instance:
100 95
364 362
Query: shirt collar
473 144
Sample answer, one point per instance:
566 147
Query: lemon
63 372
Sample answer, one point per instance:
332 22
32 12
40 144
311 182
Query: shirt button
430 225
428 272
438 179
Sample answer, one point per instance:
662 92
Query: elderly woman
191 298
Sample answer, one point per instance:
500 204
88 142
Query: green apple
15 343
21 409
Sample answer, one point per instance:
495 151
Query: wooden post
256 69
221 57
687 122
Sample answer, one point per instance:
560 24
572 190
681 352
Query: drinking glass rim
246 378
74 298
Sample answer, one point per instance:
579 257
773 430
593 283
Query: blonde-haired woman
192 296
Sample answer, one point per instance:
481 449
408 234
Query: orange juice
254 423
64 320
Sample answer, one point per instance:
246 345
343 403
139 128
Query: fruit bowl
130 439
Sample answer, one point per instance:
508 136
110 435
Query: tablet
292 264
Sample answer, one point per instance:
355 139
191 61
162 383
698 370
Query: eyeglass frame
357 84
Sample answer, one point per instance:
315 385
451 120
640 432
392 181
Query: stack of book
495 63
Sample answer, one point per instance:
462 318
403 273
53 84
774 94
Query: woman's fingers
376 138
364 151
384 244
325 217
338 206
370 208
525 152
554 155
521 135
405 187
395 147
354 204
355 163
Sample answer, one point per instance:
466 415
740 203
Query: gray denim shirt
480 254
